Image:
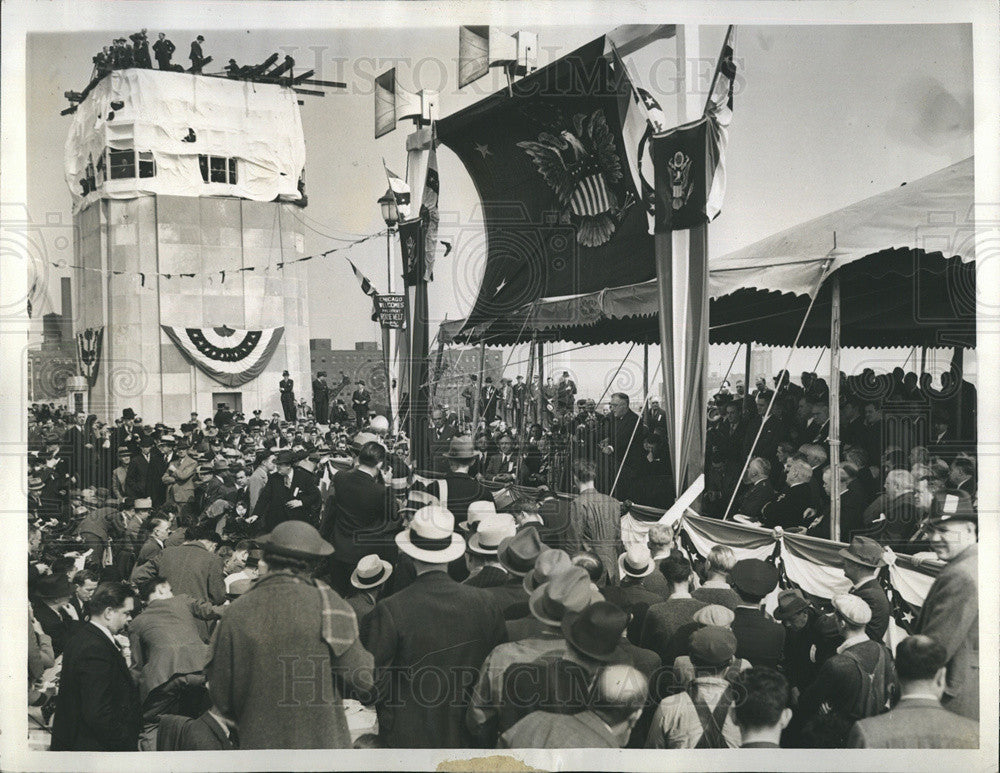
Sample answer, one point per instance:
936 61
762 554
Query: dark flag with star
561 210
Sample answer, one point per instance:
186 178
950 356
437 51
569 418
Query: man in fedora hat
118 475
802 639
701 717
368 580
361 515
290 494
565 592
861 561
144 473
460 489
634 564
433 626
759 638
360 400
52 594
859 680
950 614
287 389
485 569
284 648
615 703
179 478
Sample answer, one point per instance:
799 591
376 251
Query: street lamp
390 214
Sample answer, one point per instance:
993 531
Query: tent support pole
521 445
923 360
748 357
540 349
835 407
438 363
480 385
645 369
957 368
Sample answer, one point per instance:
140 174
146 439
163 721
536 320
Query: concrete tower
181 184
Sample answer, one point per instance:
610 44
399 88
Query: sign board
391 311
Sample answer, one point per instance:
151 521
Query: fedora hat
790 602
220 465
492 530
550 562
124 451
518 554
239 587
417 499
477 511
712 646
636 561
567 591
597 630
864 551
370 572
53 586
951 506
35 484
284 457
296 539
143 503
461 448
431 536
714 614
363 437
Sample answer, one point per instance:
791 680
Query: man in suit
321 397
192 569
196 56
163 50
73 448
788 509
596 518
502 466
433 624
759 639
758 491
290 494
98 703
894 518
669 624
52 594
489 400
209 732
287 389
630 594
861 562
621 431
950 614
459 489
918 721
179 478
361 515
616 702
143 477
286 649
360 399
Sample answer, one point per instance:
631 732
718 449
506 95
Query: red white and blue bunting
88 352
230 356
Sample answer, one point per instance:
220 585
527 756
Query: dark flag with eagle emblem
561 211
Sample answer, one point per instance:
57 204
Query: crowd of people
170 570
134 51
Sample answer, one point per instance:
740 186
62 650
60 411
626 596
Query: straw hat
492 530
431 536
370 572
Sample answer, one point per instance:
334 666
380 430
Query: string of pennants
223 272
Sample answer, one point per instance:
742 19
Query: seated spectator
758 490
763 711
716 588
788 509
918 721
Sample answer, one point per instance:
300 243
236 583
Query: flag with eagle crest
88 352
228 355
560 207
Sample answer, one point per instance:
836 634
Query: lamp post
390 214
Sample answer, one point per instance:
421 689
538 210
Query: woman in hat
279 646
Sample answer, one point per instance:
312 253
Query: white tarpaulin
179 118
910 216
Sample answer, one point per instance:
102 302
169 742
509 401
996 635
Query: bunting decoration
230 356
88 352
367 288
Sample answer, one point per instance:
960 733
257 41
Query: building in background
50 363
364 362
456 367
185 199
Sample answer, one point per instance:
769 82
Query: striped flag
591 196
367 288
400 191
720 110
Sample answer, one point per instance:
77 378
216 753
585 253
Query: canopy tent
905 259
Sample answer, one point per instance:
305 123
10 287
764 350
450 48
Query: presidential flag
690 159
88 352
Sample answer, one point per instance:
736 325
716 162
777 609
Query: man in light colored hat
433 625
860 679
568 591
279 646
368 579
950 614
485 569
721 617
476 512
861 561
634 564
